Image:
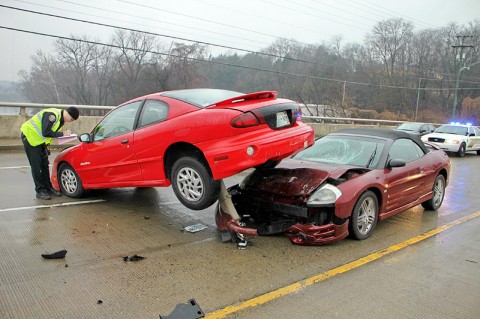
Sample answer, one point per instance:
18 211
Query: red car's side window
153 112
117 122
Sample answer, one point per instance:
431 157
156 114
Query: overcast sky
246 24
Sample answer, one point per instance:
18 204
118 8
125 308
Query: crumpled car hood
292 178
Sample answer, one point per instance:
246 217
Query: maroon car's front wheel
364 216
193 184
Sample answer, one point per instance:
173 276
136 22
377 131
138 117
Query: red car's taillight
245 120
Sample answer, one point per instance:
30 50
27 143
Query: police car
455 138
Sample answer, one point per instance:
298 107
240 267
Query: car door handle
124 141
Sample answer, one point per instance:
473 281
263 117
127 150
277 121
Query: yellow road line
295 287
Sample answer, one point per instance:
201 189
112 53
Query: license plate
282 119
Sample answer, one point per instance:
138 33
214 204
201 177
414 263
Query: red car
189 139
342 185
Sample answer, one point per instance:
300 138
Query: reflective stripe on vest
32 129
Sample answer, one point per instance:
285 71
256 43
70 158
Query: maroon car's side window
404 149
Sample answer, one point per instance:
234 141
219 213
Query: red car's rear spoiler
247 97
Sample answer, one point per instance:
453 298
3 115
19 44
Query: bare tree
43 83
389 39
104 67
134 49
78 59
184 65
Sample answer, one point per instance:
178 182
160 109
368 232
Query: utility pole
460 56
418 97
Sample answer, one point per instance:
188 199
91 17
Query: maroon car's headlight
327 194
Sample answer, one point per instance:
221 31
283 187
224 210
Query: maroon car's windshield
202 97
344 150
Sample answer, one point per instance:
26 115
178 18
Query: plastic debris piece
56 255
190 310
133 258
195 228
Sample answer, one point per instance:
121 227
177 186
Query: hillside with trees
396 73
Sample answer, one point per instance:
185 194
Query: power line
226 64
200 42
168 36
196 41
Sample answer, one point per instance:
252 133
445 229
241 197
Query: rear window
202 97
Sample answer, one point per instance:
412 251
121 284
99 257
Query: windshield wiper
370 160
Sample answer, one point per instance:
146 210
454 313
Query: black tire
461 150
438 194
193 184
478 152
69 181
364 216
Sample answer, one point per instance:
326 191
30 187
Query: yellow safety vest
32 129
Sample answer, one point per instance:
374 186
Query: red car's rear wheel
193 184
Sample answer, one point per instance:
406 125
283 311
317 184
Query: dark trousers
38 159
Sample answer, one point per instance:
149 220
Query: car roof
420 123
458 125
388 134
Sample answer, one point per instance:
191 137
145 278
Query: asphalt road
418 264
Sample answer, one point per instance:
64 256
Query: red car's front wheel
69 182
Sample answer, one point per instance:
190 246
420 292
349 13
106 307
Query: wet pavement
438 277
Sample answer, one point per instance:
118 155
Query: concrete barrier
10 125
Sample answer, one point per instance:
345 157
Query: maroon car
343 184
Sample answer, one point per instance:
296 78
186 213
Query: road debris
189 310
195 228
133 258
56 255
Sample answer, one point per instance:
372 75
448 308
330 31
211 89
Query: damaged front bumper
300 234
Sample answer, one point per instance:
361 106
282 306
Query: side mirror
85 137
396 163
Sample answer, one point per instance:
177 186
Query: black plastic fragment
133 258
190 310
56 255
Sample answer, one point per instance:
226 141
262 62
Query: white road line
54 205
14 167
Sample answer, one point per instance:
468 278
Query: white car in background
455 138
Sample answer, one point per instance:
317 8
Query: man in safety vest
37 134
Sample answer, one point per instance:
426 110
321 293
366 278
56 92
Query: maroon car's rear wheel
193 184
364 216
438 193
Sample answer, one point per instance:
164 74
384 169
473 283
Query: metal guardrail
315 119
350 120
24 106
